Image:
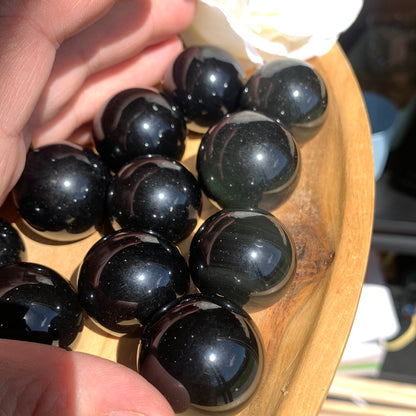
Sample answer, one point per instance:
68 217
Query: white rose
260 30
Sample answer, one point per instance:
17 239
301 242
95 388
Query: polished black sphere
136 122
292 92
247 256
157 195
39 305
248 160
62 191
204 352
206 82
127 276
12 248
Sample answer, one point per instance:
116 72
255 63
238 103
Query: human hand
59 62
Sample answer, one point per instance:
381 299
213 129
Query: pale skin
59 62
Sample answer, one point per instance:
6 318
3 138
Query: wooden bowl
330 218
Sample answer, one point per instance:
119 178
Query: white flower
260 30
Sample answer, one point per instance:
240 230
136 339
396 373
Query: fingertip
115 389
41 379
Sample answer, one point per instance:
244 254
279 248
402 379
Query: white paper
376 318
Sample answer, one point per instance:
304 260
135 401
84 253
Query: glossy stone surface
157 195
247 256
38 305
204 352
136 122
290 91
12 248
248 160
206 82
126 276
62 191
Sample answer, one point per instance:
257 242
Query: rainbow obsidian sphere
127 276
12 248
246 256
292 92
62 191
248 160
206 82
137 122
37 304
155 194
202 351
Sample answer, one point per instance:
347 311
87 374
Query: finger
46 380
128 28
147 69
30 33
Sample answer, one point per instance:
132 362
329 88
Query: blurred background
380 357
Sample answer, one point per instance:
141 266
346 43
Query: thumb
38 379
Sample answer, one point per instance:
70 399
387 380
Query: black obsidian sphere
248 160
247 256
292 92
62 191
136 122
157 195
39 305
204 352
206 82
12 248
127 276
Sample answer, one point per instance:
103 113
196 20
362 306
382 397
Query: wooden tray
330 217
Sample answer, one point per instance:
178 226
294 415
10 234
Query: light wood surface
330 218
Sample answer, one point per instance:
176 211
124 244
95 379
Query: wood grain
330 217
